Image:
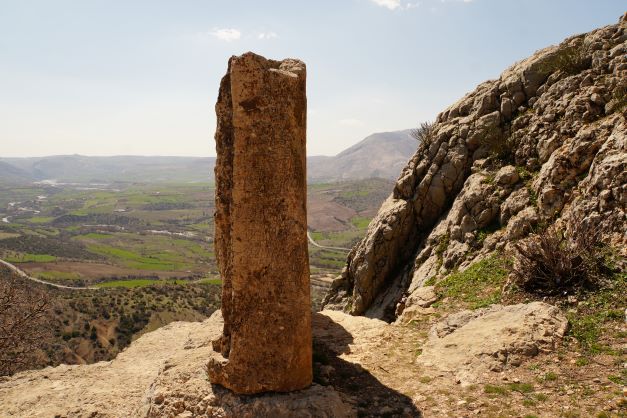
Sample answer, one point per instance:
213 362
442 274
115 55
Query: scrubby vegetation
22 313
556 260
477 286
425 134
570 60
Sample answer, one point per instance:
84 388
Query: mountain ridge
354 163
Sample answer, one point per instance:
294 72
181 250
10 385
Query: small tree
22 310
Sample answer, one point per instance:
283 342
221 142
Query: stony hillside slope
392 150
544 144
362 367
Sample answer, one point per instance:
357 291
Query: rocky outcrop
471 343
543 143
162 374
261 227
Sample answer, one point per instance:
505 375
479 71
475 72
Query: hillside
542 146
88 326
148 251
380 155
12 174
490 282
392 149
84 169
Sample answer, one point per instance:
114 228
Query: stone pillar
261 227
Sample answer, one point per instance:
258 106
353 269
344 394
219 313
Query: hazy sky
106 77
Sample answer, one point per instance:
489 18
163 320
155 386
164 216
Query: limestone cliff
543 143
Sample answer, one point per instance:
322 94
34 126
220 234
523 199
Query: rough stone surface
469 343
521 223
423 297
261 221
543 143
507 175
162 374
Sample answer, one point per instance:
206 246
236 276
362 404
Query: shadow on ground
370 397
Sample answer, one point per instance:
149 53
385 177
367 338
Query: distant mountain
83 169
12 174
379 155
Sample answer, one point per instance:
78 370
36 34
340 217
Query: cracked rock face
542 144
261 226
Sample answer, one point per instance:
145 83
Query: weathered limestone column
261 227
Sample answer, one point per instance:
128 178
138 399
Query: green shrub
497 390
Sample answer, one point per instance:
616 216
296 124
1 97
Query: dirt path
370 363
26 276
315 244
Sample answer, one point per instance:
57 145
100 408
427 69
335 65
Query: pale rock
422 297
156 376
521 224
507 107
470 343
516 202
507 175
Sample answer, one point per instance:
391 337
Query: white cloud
390 4
351 122
267 35
398 4
227 34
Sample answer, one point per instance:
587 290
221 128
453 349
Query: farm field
147 249
82 235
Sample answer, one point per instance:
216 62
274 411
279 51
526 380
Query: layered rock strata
260 223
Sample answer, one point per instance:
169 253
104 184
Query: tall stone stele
261 227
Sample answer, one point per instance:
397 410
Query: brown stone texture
543 144
261 224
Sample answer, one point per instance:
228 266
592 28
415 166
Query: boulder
521 223
514 203
422 297
507 175
469 344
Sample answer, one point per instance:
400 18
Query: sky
141 77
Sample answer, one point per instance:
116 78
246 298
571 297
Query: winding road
21 273
315 244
